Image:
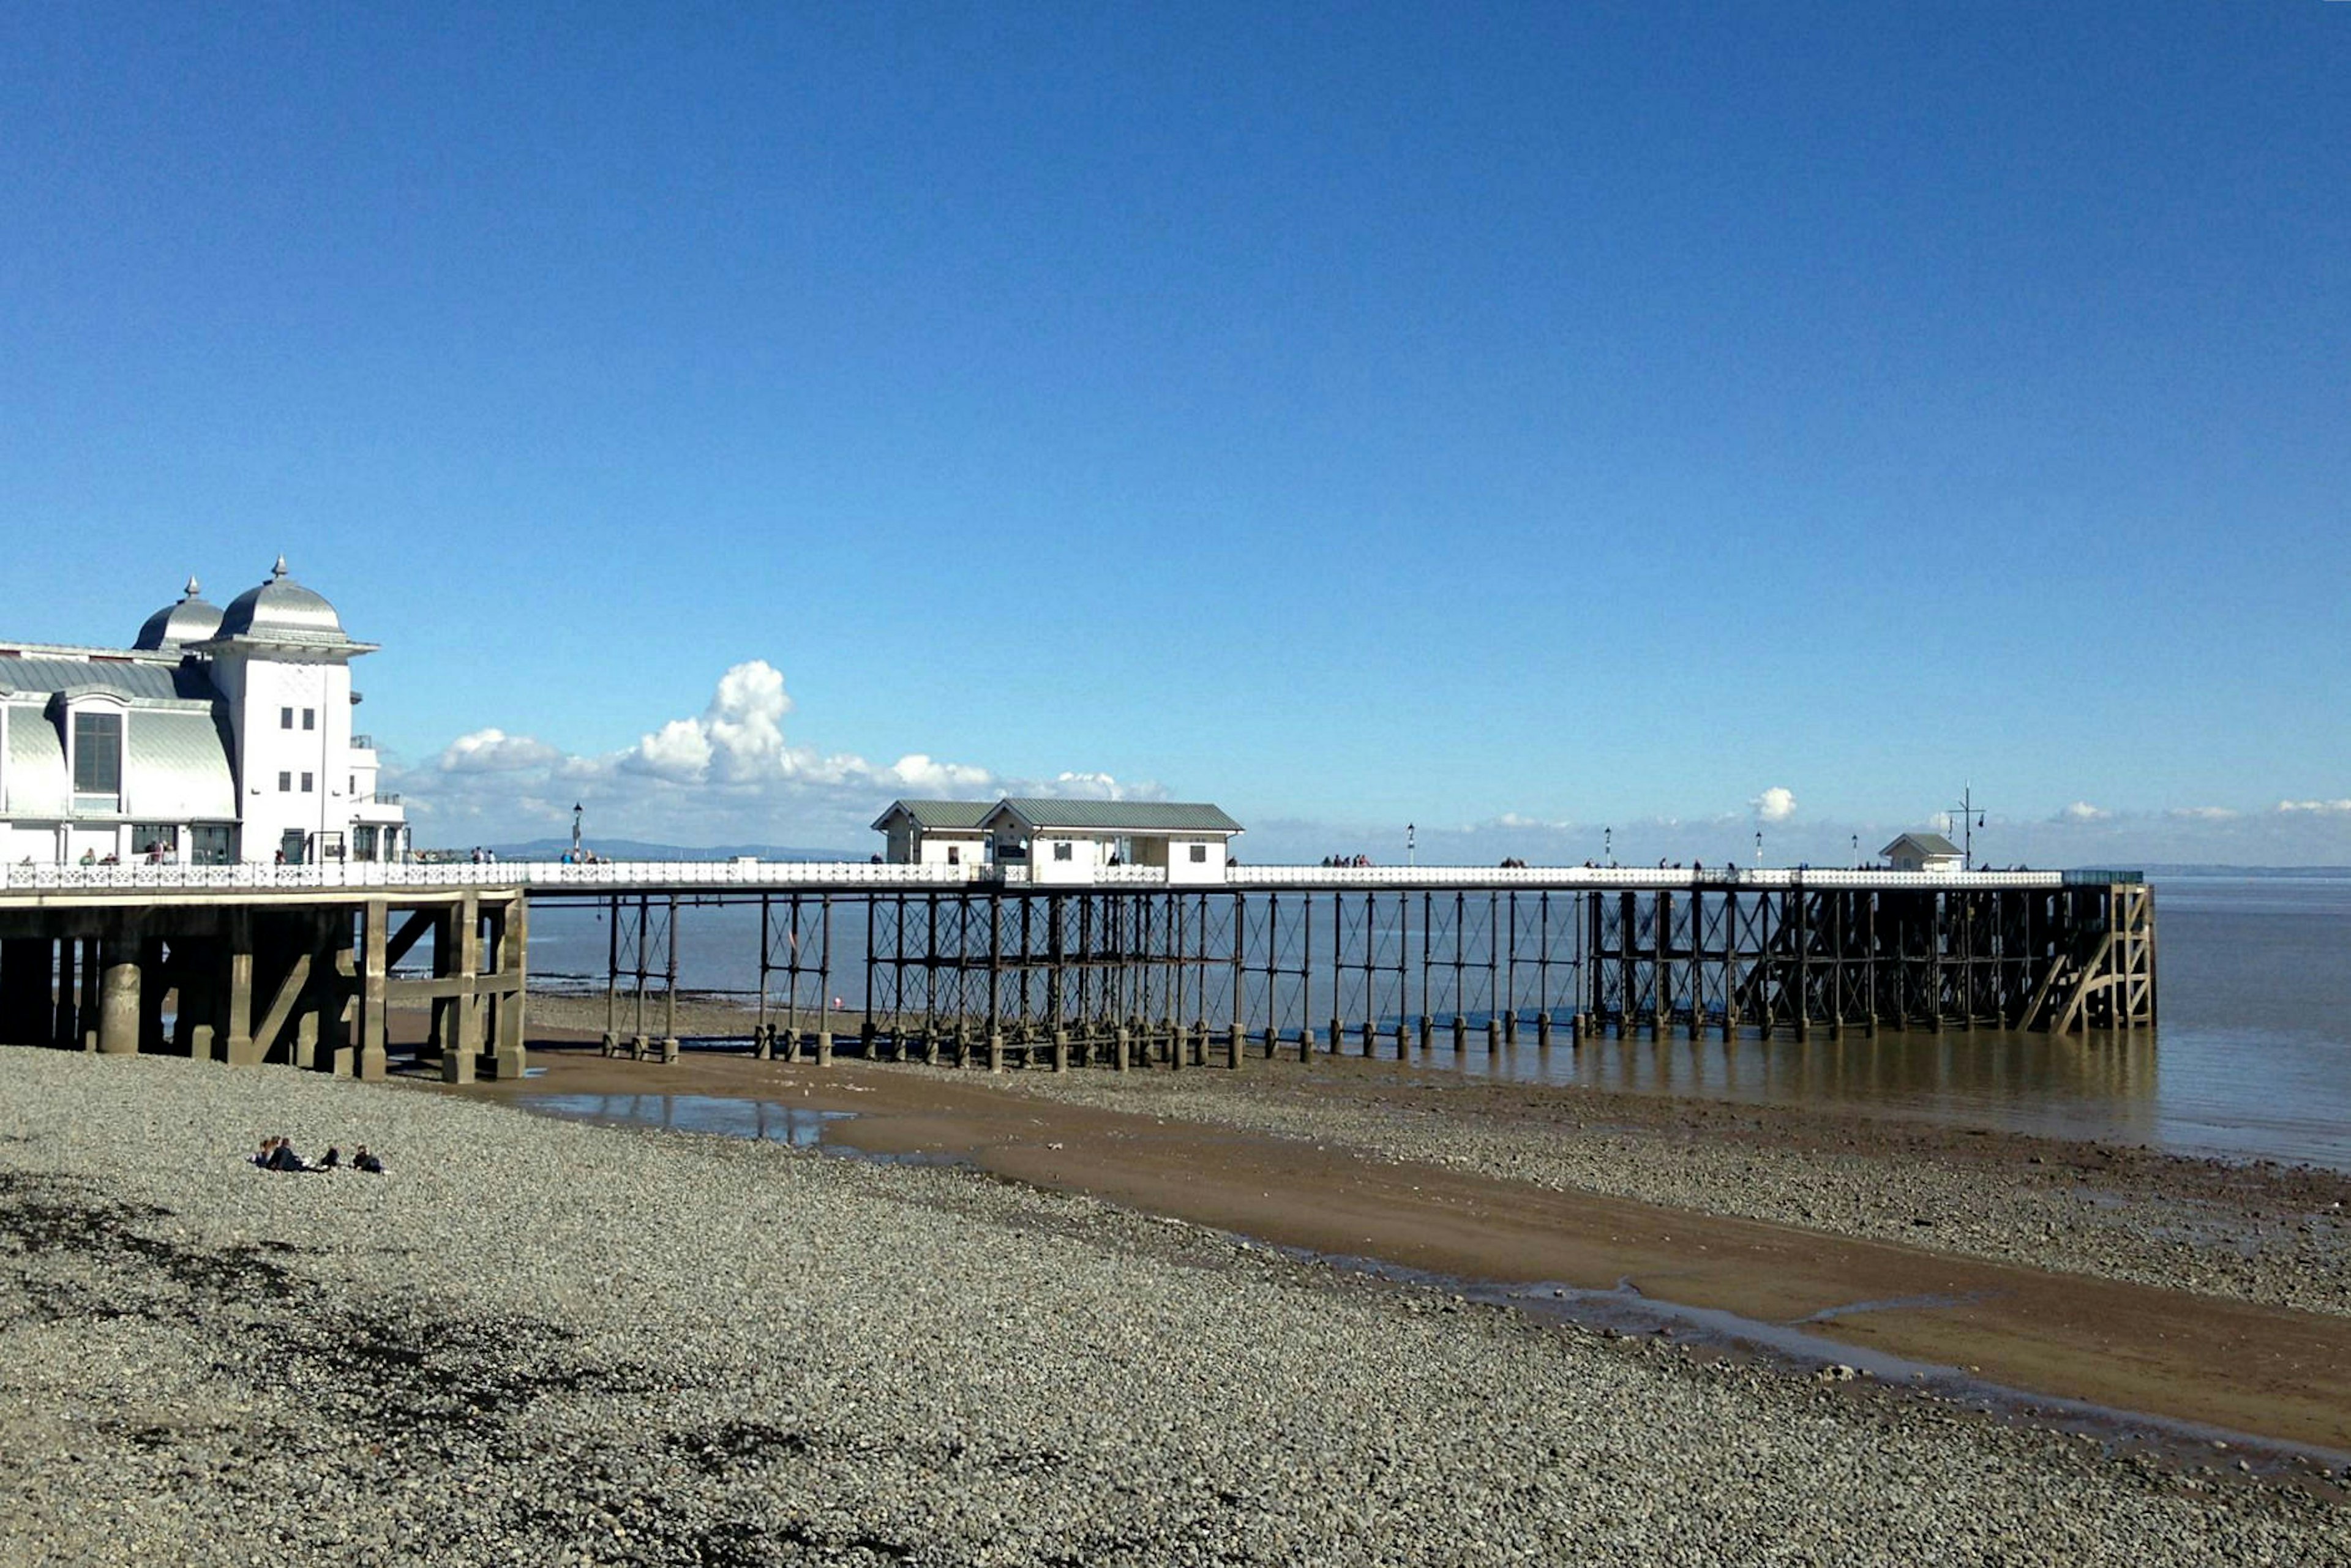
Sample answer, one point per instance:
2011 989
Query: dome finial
192 589
279 570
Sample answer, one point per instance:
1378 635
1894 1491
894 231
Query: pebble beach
538 1341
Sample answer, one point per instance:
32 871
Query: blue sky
1513 421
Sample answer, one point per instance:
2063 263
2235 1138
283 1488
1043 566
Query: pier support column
93 968
1236 1037
1060 1051
1120 1043
237 1045
509 958
154 984
62 1026
823 1048
117 1004
1493 1038
1543 1032
1404 1041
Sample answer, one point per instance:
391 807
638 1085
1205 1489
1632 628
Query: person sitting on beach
284 1158
334 1160
363 1161
261 1156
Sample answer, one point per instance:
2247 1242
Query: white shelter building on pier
1923 852
1060 841
218 736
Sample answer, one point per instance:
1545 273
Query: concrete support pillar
510 1040
462 1047
118 1007
996 1051
1371 1038
375 988
1511 1029
238 1047
1493 1037
1060 1051
1337 1037
1460 1034
1235 1039
1306 1042
1404 1040
1121 1043
823 1048
1575 1029
869 1039
1543 1032
93 967
1272 1040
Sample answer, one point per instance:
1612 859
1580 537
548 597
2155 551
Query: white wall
968 848
260 690
1182 870
1087 856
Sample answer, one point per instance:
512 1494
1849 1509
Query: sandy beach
1082 1319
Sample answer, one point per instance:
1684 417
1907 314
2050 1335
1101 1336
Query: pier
978 966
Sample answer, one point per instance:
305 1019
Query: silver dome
282 611
189 620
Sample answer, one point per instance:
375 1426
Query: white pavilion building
218 735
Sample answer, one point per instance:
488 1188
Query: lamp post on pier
575 833
1970 818
1410 851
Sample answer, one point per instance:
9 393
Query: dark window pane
98 754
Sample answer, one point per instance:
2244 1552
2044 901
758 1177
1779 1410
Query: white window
955 854
1199 855
285 783
286 718
307 782
1061 851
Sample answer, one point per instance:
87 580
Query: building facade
1058 842
1923 852
217 736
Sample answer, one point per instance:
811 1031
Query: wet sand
2180 1354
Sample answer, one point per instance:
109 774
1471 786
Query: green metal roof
934 815
1120 816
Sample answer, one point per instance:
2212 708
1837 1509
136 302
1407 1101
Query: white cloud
2083 812
1777 804
2202 814
495 751
679 750
729 774
2316 808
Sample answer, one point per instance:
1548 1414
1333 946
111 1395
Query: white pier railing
630 876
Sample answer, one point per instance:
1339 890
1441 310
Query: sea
2251 1060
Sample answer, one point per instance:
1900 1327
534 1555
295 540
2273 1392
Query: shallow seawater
2251 1058
798 1126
